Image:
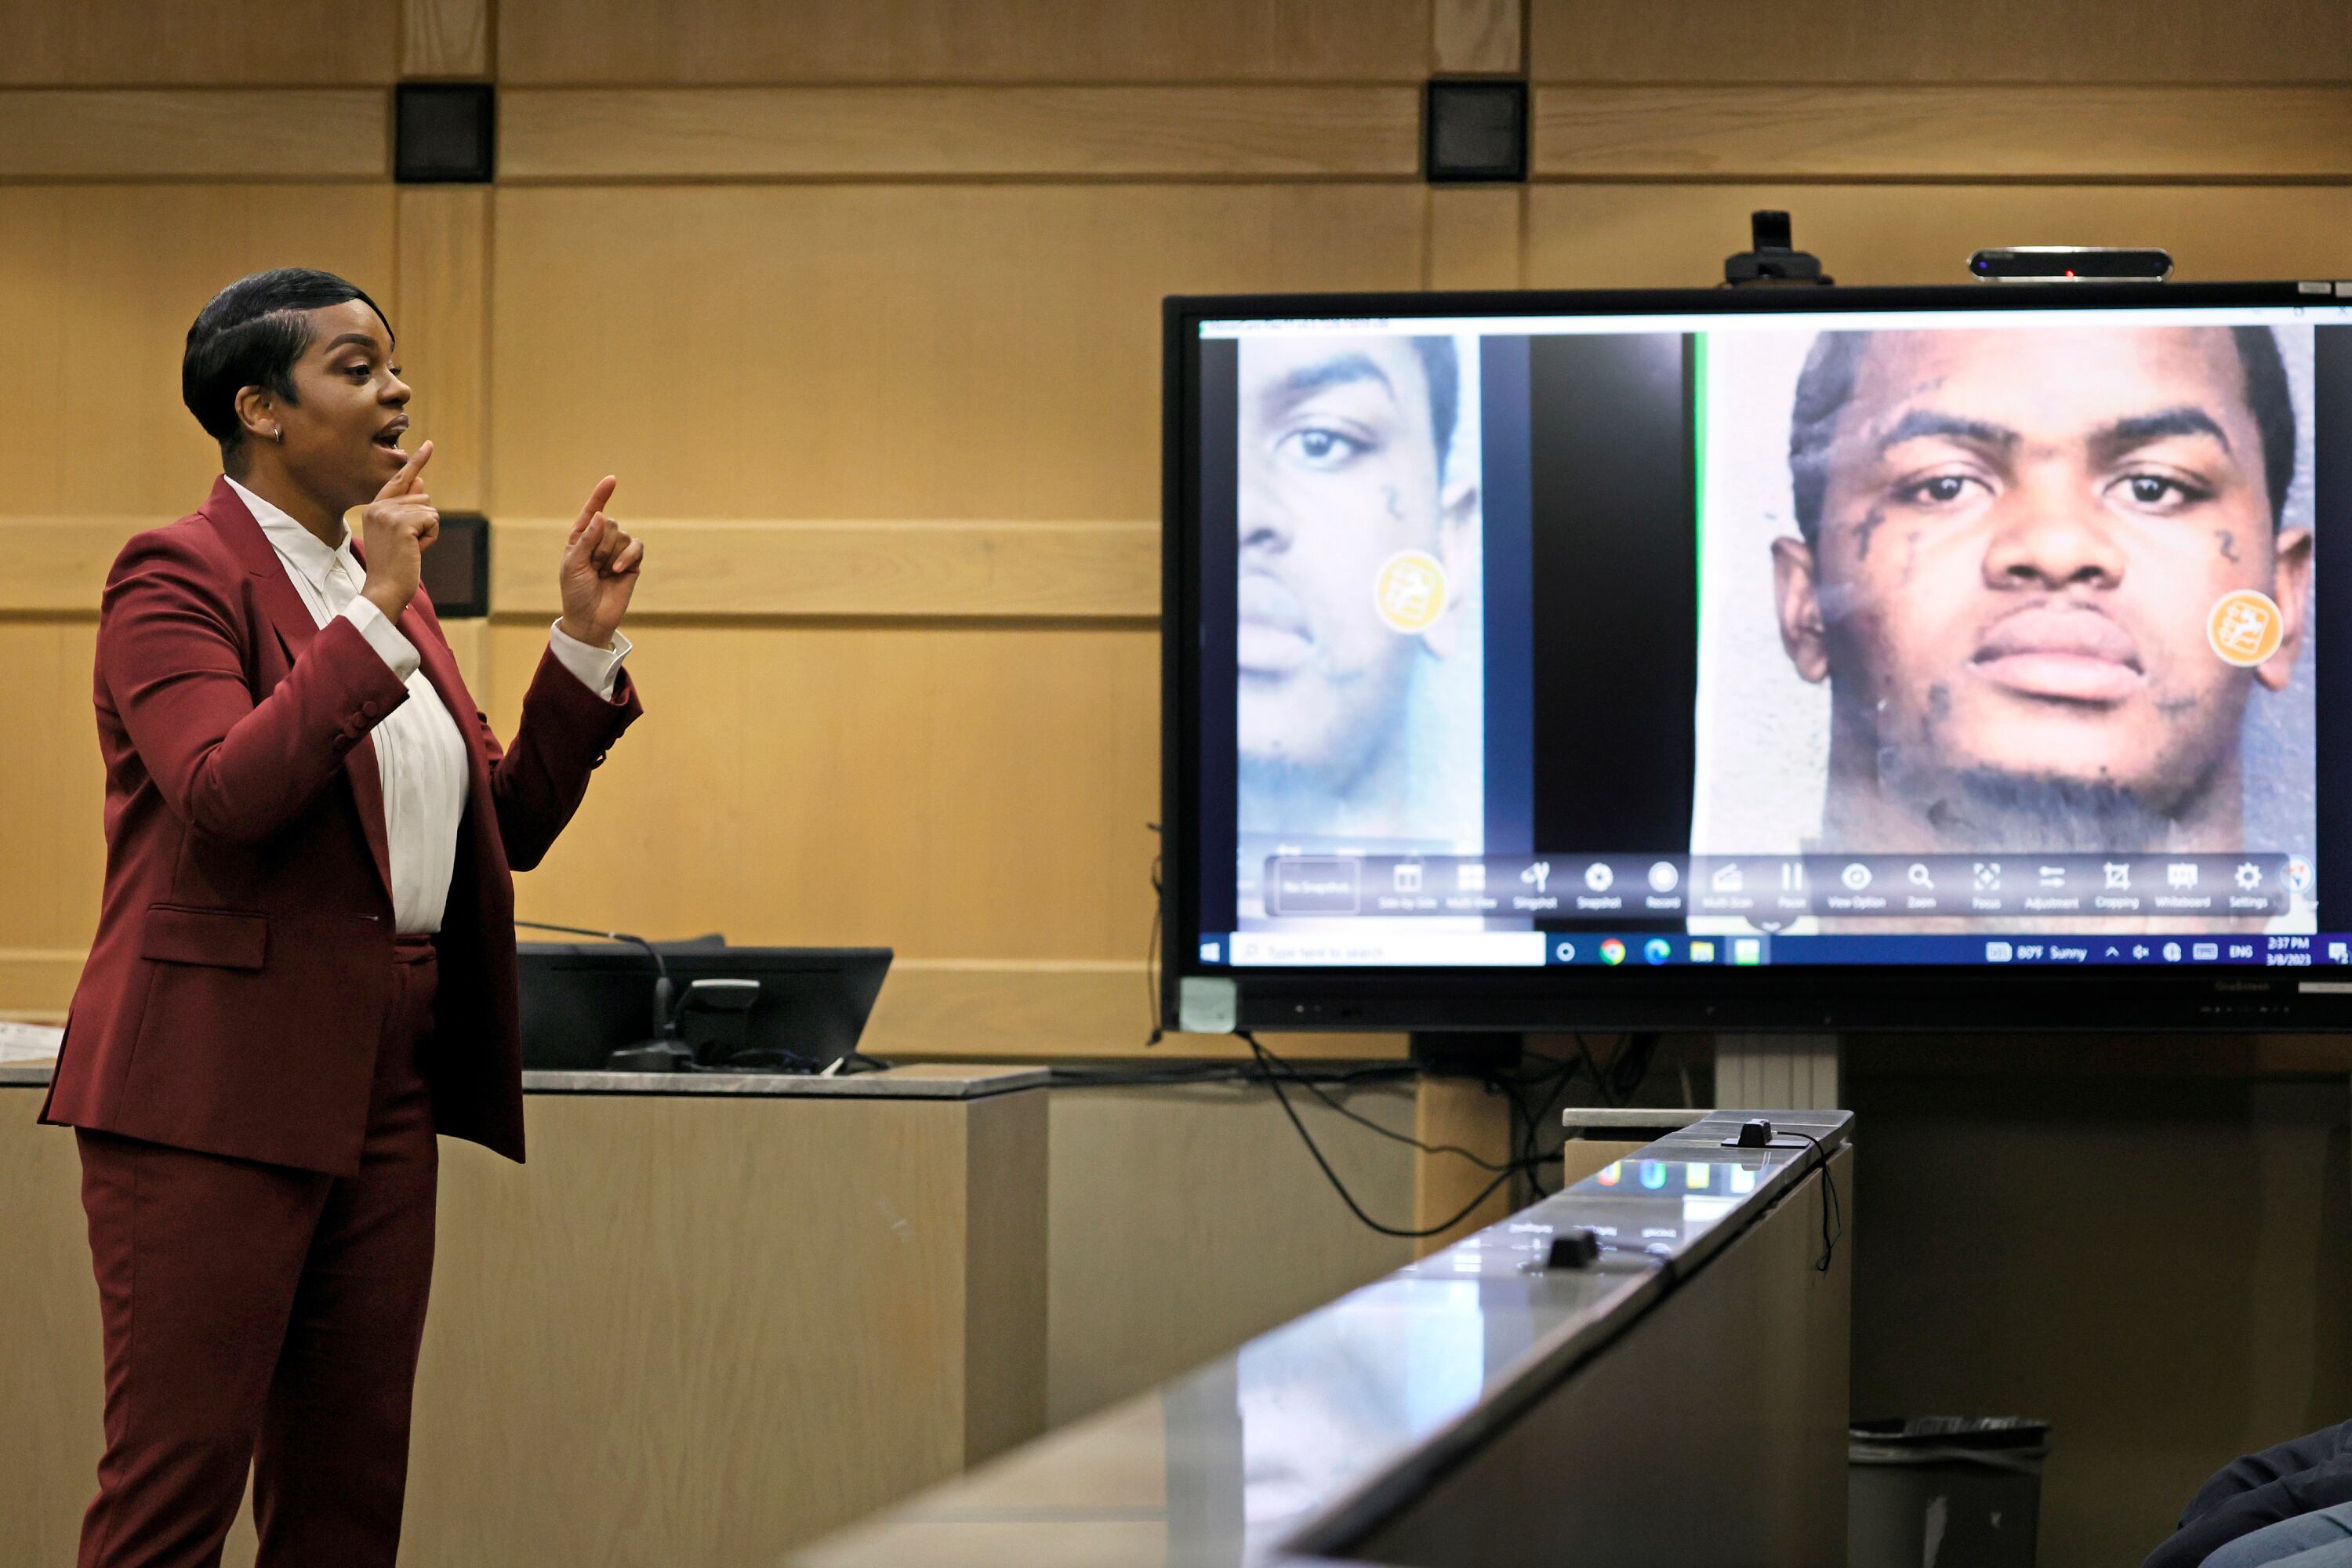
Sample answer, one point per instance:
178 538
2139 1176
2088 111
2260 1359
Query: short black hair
1826 385
250 334
1442 369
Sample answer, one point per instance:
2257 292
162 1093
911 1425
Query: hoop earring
278 435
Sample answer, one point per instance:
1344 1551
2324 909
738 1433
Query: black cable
1830 1202
1560 1079
1630 1065
1599 1079
1151 953
1363 1121
1283 1100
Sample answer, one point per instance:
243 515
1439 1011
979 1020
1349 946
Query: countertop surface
1288 1445
921 1081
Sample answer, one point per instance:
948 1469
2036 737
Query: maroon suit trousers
266 1317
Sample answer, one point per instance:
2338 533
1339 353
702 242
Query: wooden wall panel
2141 134
1629 235
51 790
1026 1010
948 133
444 38
274 134
1478 35
1952 40
197 43
98 285
881 352
1476 236
947 790
439 301
1088 570
701 41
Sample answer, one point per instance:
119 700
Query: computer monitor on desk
583 1001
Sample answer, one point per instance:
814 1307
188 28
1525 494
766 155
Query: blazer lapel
288 618
291 620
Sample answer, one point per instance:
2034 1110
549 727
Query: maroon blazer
233 994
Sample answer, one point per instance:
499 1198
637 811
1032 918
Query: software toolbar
1774 889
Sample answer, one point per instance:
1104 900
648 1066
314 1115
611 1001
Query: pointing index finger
406 479
596 500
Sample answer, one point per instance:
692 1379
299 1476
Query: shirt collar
296 545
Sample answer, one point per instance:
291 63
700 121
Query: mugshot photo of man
1357 638
2014 557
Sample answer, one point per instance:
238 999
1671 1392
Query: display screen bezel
1763 997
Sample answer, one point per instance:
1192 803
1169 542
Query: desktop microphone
665 1051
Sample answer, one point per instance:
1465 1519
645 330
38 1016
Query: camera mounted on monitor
1775 259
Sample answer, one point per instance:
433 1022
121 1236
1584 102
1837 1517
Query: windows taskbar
1514 949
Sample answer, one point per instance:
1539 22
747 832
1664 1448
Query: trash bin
1944 1491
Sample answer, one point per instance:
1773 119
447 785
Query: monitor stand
1777 1072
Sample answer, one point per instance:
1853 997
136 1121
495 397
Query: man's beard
1989 809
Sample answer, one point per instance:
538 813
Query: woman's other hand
598 572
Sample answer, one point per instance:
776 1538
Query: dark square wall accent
1474 129
444 133
457 570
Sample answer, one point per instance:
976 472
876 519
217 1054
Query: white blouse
419 749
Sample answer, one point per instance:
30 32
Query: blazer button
372 707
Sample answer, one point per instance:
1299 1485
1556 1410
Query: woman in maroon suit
304 966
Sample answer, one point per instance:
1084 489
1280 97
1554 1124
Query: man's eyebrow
2126 435
1337 371
1922 424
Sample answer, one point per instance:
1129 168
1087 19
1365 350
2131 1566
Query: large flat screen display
1779 656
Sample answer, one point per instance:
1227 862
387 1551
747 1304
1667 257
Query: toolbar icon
2051 876
1537 875
1747 950
2205 952
1664 876
1727 879
2339 953
1598 876
2180 874
2249 876
1702 953
1988 876
2118 875
1408 876
1921 876
1470 877
1657 950
1857 876
1612 952
2171 953
1792 876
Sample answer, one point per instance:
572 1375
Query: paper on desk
29 1042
